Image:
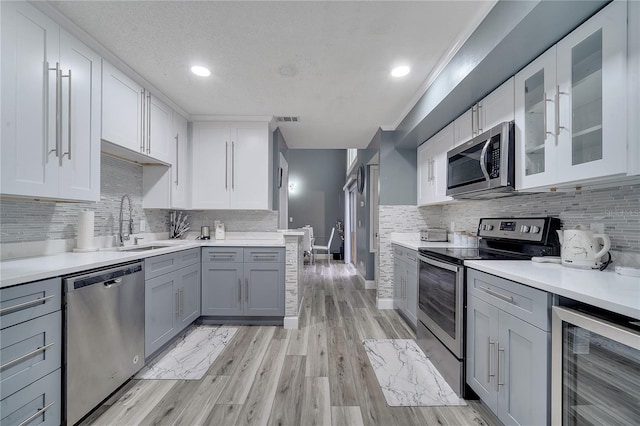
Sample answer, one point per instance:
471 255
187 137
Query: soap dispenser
219 230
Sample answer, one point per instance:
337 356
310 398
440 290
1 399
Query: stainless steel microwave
484 166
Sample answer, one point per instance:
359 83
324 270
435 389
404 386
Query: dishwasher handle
108 277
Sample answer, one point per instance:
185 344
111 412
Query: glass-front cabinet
571 106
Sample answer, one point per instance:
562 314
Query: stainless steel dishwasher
104 342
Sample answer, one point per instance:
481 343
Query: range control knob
524 229
535 229
488 227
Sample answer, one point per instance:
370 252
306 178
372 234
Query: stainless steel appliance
441 285
104 334
595 367
484 166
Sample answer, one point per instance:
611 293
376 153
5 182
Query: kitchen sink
144 248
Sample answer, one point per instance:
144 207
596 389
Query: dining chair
327 248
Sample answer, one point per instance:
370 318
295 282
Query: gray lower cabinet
31 353
243 282
172 299
222 284
405 287
508 348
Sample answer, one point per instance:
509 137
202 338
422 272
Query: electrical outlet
597 228
291 220
143 225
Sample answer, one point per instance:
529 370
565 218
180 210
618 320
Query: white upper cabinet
432 167
464 127
571 115
535 122
50 109
134 119
122 103
231 166
181 164
495 108
159 141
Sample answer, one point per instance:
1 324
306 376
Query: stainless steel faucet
124 236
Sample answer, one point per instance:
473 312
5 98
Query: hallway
317 375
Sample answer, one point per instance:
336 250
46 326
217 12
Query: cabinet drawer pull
258 257
496 294
26 304
222 256
25 356
38 412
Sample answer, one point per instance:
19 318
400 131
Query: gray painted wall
398 172
317 198
512 35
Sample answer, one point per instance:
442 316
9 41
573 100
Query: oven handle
438 264
483 160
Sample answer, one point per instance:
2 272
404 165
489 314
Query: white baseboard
290 323
385 303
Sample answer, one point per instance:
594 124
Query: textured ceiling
326 62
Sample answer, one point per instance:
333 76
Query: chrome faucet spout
124 236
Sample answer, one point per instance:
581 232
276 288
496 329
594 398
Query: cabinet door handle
246 296
68 153
473 126
500 366
496 294
177 303
544 115
233 165
149 123
226 164
490 343
25 356
181 302
143 107
57 70
38 412
26 304
239 291
177 158
558 126
478 117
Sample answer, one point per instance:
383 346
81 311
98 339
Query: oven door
595 370
440 301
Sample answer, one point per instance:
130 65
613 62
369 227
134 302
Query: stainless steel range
441 285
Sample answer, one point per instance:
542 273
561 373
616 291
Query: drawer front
29 351
36 404
222 254
411 257
264 255
160 265
398 252
521 301
188 257
24 302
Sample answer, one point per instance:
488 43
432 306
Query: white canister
84 240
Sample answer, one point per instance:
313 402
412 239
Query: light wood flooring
317 375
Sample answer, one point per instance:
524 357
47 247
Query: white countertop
19 271
604 289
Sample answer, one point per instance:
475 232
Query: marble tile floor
317 375
189 357
406 376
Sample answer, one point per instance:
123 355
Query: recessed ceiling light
400 71
201 71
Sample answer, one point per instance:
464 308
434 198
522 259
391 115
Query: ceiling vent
287 119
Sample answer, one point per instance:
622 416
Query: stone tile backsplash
36 221
22 221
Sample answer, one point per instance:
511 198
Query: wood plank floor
317 375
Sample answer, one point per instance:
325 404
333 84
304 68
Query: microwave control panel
494 157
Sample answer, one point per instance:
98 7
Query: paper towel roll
85 230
